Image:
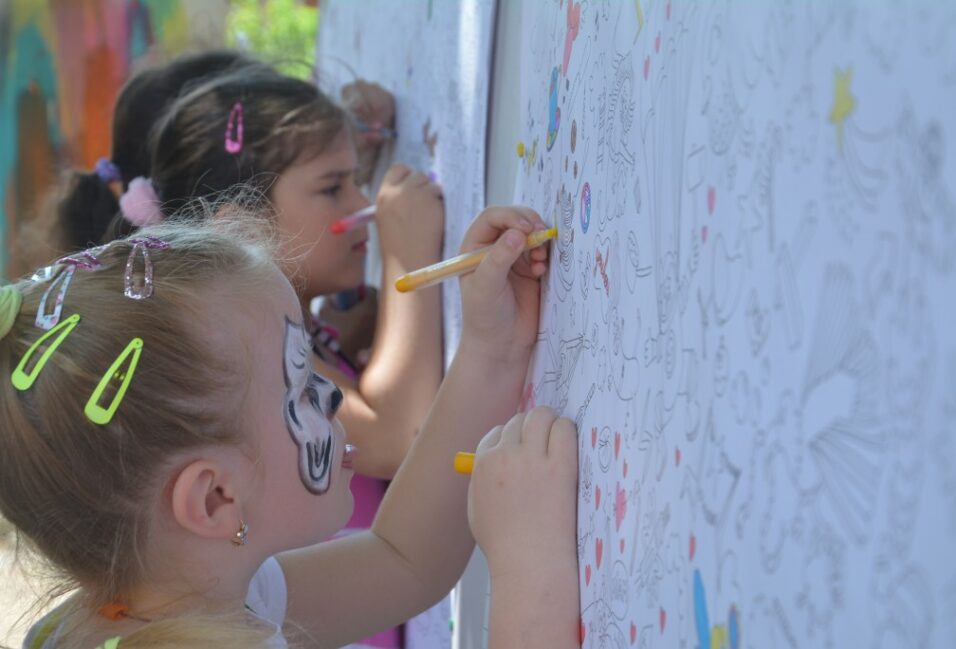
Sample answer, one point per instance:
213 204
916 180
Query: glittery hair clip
85 260
141 246
234 129
48 319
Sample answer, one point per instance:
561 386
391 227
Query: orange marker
461 264
464 462
353 221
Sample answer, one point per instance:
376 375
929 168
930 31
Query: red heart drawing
622 546
663 620
617 444
711 199
625 468
677 456
633 633
620 506
693 546
657 43
647 67
598 552
587 575
668 11
597 498
594 437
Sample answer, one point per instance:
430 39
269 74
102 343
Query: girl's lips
349 456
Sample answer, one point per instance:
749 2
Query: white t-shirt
267 599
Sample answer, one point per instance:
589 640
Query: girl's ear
204 500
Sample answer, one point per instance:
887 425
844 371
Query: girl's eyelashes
331 192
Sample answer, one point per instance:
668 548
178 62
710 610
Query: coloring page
749 314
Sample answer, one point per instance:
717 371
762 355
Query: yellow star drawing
640 18
843 102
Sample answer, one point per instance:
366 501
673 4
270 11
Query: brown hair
285 120
81 493
86 205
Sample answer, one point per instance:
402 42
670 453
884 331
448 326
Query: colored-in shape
700 612
554 113
585 207
843 102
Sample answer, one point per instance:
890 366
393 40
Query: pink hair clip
85 260
140 204
141 245
234 129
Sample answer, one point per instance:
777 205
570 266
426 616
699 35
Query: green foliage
281 32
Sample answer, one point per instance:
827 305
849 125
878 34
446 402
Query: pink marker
353 221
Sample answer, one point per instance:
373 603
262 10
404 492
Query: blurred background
63 62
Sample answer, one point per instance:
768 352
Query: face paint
309 404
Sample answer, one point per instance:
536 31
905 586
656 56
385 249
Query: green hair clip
10 300
93 410
23 380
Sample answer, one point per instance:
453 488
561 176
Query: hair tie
107 170
140 204
10 300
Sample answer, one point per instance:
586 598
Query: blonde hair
82 494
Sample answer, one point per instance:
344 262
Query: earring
242 534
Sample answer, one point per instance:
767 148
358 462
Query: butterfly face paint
309 405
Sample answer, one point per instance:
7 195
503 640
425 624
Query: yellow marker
464 462
461 264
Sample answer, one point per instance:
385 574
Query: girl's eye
332 191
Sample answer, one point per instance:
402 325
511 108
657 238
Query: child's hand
374 106
500 300
523 494
410 216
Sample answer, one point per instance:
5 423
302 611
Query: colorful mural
62 63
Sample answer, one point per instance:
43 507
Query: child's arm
384 409
522 508
420 542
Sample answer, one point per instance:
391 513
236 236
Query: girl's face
304 467
309 196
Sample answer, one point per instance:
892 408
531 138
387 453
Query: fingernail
525 222
514 240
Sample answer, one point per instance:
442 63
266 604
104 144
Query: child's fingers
511 434
490 440
491 276
563 440
396 174
537 429
488 226
416 179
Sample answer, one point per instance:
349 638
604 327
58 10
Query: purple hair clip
234 129
84 259
141 245
107 170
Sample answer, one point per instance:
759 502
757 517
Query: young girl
288 140
89 201
167 445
